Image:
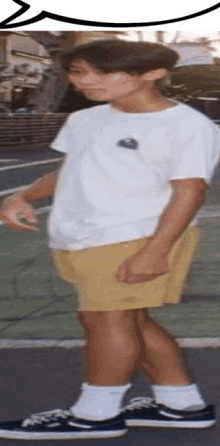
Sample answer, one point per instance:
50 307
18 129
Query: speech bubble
113 13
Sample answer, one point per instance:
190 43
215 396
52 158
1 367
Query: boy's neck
142 102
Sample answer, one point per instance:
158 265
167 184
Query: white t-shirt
115 181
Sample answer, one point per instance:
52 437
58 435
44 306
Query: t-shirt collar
152 114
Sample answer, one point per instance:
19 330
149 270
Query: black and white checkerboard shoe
145 412
61 425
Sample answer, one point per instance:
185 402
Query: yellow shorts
92 272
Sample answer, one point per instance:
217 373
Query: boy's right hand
13 209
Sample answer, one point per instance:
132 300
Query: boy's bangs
131 57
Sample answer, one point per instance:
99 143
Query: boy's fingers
22 227
29 216
33 220
14 222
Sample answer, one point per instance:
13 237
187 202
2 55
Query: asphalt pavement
35 380
20 168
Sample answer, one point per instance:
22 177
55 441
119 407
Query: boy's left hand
143 266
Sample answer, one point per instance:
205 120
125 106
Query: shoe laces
46 417
140 403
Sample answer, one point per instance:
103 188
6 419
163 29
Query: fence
26 130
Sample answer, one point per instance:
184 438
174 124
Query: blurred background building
22 63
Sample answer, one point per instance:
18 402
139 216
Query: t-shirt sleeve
197 152
63 138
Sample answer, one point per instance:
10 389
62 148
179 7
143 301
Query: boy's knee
95 319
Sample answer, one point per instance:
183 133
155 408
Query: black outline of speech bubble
44 14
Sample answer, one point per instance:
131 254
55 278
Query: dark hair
120 55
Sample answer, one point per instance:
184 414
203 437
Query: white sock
179 397
99 402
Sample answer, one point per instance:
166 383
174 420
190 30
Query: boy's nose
89 80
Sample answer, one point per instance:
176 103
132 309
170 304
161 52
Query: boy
122 230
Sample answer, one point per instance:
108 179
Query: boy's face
99 86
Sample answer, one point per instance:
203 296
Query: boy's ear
154 75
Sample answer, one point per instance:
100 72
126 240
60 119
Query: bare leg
113 348
161 356
121 342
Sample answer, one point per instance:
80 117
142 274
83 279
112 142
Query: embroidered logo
128 143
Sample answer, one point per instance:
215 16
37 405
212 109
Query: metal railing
24 129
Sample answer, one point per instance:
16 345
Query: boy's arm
188 196
18 206
41 188
152 261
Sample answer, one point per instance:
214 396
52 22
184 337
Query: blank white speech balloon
114 11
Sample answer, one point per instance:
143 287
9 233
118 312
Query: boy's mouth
92 90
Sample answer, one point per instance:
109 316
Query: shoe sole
16 435
178 424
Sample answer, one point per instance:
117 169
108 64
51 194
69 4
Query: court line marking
16 189
11 191
78 343
34 163
6 160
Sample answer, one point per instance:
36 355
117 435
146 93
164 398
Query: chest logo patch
128 143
